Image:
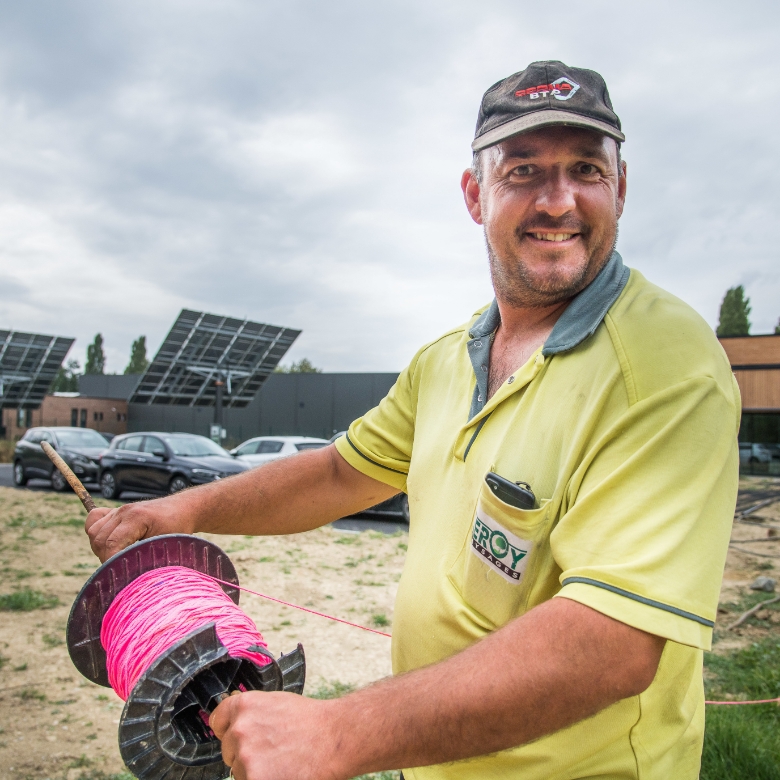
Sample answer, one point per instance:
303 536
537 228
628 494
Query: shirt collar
581 317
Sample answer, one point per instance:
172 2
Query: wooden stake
72 479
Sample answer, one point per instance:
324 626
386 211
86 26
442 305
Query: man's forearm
559 664
284 497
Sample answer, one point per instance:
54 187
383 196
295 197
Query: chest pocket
494 570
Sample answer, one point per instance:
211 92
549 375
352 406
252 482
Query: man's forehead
555 140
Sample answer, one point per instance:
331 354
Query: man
552 630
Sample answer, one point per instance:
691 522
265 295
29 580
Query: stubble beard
520 288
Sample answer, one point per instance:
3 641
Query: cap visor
543 118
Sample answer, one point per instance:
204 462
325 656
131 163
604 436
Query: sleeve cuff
369 464
654 617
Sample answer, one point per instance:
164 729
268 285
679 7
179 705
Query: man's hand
111 530
278 736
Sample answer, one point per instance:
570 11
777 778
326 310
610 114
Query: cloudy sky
298 162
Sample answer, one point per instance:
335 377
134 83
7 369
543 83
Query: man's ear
470 187
622 188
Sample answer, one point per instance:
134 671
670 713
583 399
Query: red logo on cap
561 89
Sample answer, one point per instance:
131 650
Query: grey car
80 448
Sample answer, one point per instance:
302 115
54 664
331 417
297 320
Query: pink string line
303 609
758 701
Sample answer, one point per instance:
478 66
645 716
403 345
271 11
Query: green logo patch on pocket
499 548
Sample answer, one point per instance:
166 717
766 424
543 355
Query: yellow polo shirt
625 426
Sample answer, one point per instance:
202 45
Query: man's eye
586 169
523 170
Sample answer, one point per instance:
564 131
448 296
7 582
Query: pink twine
757 701
304 609
161 607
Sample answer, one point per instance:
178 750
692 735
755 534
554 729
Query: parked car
396 506
263 449
754 453
80 448
162 463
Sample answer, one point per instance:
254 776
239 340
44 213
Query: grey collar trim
588 309
582 316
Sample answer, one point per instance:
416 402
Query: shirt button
484 368
477 344
510 380
479 398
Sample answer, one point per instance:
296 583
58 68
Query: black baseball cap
545 93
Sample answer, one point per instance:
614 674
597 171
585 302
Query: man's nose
556 196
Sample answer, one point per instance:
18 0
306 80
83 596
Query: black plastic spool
161 733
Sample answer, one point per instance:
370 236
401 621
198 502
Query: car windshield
193 446
310 445
85 438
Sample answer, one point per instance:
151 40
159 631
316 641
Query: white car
263 449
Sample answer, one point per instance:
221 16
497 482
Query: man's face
549 202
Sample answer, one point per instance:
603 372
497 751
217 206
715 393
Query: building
107 415
755 361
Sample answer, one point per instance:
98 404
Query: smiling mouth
555 237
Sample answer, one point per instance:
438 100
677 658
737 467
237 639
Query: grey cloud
298 162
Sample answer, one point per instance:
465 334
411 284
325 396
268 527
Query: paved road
354 524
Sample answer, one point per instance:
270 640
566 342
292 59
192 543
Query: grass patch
380 620
743 742
3 661
380 776
26 600
31 694
21 667
331 690
53 640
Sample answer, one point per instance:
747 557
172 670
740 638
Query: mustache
549 225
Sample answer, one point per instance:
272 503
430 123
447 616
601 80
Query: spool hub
163 730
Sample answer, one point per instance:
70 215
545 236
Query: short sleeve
650 510
379 444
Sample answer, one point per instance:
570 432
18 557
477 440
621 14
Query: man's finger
220 718
95 515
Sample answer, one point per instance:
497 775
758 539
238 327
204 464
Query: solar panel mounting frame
201 348
29 363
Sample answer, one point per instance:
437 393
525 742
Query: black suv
162 463
80 448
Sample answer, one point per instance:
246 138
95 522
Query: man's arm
284 497
560 663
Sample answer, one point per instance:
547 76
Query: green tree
138 362
96 358
303 366
67 379
734 313
777 328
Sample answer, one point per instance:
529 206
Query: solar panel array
28 365
201 348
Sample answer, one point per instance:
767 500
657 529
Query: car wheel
58 482
405 507
178 483
108 486
20 478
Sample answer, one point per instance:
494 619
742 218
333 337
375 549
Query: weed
403 546
3 661
21 667
31 694
380 620
765 565
348 539
332 690
743 741
26 600
53 640
286 623
265 559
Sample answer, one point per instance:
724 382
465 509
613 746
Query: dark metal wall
287 405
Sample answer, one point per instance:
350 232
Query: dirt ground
54 724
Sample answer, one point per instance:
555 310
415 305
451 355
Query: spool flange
100 590
163 731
